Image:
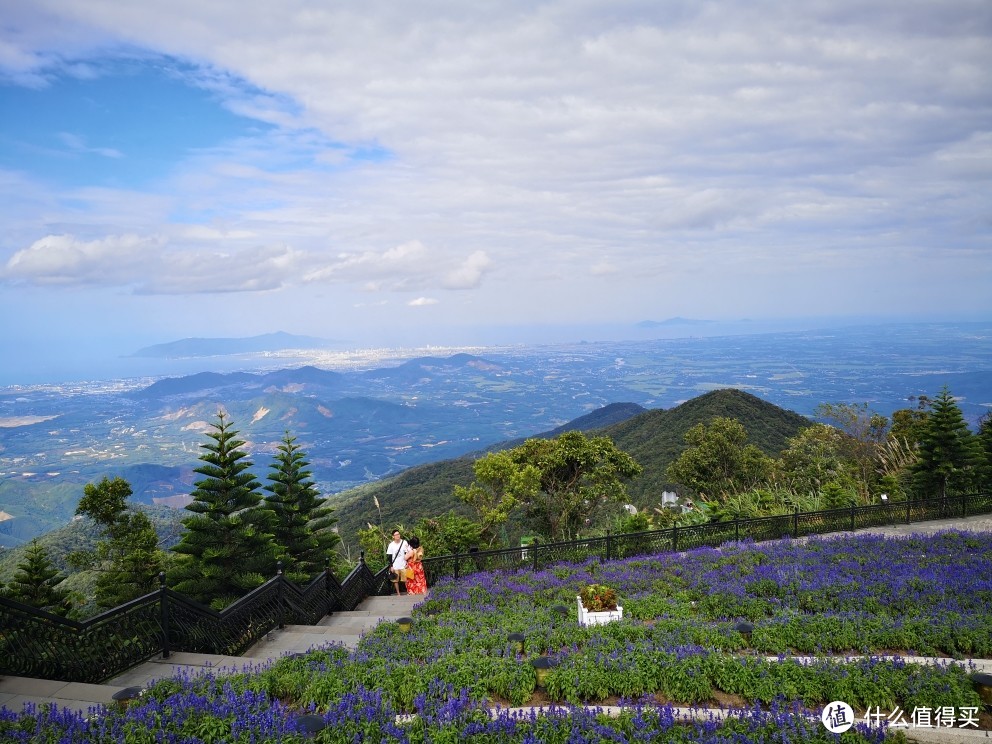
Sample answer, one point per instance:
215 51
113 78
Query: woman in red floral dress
416 582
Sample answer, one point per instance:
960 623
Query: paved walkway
980 523
346 628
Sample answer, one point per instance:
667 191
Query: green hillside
83 534
654 438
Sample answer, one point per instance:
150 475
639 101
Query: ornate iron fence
34 643
710 534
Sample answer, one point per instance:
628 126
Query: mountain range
362 423
653 437
196 347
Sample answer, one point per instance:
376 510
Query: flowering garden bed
851 605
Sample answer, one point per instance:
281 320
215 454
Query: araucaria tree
36 583
227 548
949 454
128 560
303 525
985 445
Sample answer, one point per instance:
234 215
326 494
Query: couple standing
406 560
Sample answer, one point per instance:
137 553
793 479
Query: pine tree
129 560
36 583
948 451
227 548
985 444
303 527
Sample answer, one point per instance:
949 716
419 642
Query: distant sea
77 368
31 363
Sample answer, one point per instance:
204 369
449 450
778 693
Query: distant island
204 347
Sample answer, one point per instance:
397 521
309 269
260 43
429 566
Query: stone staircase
342 627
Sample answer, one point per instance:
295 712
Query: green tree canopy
303 524
129 560
949 454
448 534
502 483
36 583
867 432
227 548
814 458
718 460
580 477
105 501
985 444
909 423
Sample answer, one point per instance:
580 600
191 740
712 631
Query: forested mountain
83 534
372 416
653 437
656 437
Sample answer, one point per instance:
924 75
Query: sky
387 172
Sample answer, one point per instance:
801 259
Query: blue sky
388 174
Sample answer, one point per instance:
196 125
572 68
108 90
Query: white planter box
587 618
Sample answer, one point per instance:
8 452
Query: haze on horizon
394 173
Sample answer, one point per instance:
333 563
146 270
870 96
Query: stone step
341 627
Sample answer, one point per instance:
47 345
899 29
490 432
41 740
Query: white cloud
149 265
78 144
63 259
469 274
247 270
395 264
604 268
405 267
561 148
422 302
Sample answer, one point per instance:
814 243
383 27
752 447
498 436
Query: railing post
609 546
327 585
675 538
908 507
163 606
737 527
457 563
361 562
852 517
795 523
279 595
535 544
964 505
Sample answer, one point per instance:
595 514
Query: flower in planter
598 598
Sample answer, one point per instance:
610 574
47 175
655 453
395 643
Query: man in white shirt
396 552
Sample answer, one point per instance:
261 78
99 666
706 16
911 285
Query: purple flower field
830 620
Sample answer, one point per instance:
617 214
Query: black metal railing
34 643
711 534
